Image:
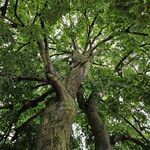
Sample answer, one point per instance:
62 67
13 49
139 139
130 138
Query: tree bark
99 131
57 118
98 128
54 130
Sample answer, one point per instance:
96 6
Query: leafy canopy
118 32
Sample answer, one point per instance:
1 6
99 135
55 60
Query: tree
74 61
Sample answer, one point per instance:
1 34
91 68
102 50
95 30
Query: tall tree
66 61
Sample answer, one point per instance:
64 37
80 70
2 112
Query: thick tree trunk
54 130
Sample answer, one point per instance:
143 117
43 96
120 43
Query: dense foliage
117 34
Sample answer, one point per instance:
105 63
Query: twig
63 53
101 42
23 45
89 30
137 33
39 85
21 78
99 33
36 15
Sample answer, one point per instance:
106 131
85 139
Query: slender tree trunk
99 131
54 130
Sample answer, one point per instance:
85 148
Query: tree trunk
101 136
54 130
98 128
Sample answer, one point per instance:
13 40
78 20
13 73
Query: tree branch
39 85
22 78
119 66
43 46
6 133
16 15
34 102
101 42
75 47
10 106
89 30
50 73
98 34
4 8
25 124
26 106
120 138
63 53
137 33
137 130
35 17
10 22
23 45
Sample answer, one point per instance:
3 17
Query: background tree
78 61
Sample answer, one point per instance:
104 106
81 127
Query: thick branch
98 128
34 103
22 78
25 124
115 139
76 76
44 51
51 76
4 8
80 98
50 73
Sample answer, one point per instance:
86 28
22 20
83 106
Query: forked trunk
54 130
